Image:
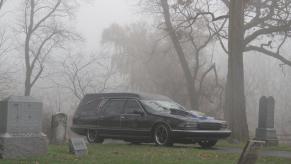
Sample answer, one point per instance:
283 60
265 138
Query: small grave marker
250 152
78 146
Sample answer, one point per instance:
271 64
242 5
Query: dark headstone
250 152
270 112
20 128
262 112
266 131
59 128
78 146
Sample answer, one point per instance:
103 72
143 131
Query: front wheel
207 143
162 135
92 136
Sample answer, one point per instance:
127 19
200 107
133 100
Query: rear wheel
207 143
162 135
92 136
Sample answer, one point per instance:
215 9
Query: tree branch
268 53
47 16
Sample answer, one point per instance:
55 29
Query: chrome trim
203 131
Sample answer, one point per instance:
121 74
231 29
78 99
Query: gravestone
266 130
59 128
251 151
78 146
20 128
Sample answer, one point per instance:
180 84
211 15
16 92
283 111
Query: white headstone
59 128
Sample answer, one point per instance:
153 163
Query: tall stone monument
266 130
21 128
59 128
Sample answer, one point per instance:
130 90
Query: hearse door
134 121
88 115
109 120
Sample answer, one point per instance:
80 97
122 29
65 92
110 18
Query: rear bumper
200 134
79 130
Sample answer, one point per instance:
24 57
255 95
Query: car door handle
101 118
123 117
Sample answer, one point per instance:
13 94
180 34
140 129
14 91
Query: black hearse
138 118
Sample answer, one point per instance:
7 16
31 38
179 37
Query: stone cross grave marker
59 128
266 131
21 128
78 146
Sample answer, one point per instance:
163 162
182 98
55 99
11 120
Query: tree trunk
27 84
27 87
193 95
235 110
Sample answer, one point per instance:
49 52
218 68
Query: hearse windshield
161 106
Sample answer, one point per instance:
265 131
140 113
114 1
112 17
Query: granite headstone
266 131
21 128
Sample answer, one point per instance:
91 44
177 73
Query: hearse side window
132 107
113 107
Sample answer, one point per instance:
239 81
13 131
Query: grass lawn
224 143
140 154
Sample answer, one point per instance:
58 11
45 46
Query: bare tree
235 97
262 26
84 75
44 33
1 3
6 80
182 27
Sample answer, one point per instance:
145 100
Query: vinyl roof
141 96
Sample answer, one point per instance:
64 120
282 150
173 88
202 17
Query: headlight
224 125
189 125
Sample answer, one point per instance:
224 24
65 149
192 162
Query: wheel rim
91 135
161 135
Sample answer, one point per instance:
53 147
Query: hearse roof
140 96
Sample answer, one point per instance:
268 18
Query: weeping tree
150 61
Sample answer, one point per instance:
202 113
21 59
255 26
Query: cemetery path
264 153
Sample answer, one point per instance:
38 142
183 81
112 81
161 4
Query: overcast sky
93 17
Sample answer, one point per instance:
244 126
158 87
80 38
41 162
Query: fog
135 55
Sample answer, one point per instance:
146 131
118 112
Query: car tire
93 137
206 144
162 135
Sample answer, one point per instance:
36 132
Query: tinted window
113 107
132 107
89 103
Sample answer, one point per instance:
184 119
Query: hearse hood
189 115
